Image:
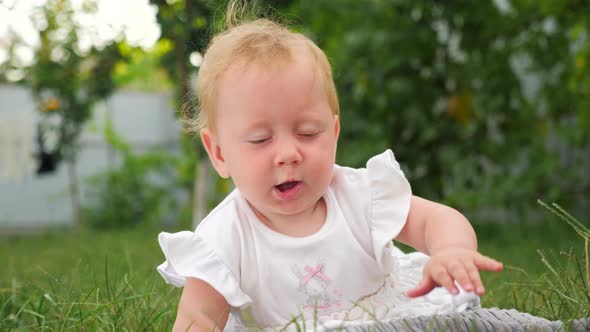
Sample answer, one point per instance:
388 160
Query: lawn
81 279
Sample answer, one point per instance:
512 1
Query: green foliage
186 27
482 106
142 69
139 191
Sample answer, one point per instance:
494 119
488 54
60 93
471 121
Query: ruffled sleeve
390 203
189 255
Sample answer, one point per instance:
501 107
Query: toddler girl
300 238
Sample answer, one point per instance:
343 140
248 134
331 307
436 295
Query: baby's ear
211 144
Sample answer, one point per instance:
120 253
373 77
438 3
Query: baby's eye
308 135
258 140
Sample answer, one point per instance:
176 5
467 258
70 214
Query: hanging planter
66 82
48 128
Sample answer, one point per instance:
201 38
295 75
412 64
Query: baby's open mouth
287 185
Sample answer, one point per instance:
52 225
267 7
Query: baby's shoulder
344 175
225 220
224 230
380 173
350 183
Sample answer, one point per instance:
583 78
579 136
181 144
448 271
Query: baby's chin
289 209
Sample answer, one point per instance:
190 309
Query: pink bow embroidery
311 272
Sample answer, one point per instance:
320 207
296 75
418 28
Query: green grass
529 254
84 280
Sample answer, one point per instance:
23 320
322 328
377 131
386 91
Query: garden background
485 104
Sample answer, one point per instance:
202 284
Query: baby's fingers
442 277
475 279
460 273
423 288
488 264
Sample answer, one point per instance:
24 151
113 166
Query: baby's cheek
259 162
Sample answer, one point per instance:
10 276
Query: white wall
29 201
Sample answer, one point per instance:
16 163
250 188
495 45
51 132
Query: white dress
345 273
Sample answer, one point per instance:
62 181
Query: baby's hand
453 264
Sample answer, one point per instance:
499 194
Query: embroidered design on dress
316 272
315 285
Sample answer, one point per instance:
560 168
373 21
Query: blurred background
486 105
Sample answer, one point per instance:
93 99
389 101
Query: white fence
29 201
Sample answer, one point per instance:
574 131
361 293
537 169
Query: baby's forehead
264 83
263 89
300 61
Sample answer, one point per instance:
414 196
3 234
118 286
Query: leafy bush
139 191
486 107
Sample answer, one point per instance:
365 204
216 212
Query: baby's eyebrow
258 125
310 121
254 130
313 125
257 134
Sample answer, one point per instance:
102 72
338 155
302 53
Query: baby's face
276 136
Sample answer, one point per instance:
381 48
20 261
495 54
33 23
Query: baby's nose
288 154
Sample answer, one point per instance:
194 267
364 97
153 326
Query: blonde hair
259 41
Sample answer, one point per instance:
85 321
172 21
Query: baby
301 238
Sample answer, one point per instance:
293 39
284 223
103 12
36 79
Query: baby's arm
201 308
446 235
